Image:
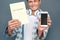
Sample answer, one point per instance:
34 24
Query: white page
18 11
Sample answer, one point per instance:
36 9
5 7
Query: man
14 26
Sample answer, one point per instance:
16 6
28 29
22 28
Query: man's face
34 4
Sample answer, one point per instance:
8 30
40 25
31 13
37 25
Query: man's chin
34 9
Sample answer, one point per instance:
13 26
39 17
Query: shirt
32 25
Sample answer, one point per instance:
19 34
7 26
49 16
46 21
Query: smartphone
44 19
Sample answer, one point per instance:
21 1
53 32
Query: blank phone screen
43 19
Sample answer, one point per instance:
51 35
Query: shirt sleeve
44 34
14 32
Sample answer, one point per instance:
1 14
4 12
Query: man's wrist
40 34
9 32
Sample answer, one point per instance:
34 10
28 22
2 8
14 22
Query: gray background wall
52 6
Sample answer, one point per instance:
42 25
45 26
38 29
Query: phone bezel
44 12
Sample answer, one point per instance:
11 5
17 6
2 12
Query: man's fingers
12 27
13 22
49 24
42 28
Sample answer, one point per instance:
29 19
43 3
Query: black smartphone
44 19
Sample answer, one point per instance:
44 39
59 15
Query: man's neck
33 11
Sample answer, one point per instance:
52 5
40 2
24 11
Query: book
18 11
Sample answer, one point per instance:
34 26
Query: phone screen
43 19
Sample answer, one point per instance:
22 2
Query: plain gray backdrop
52 6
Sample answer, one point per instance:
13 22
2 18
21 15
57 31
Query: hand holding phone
44 16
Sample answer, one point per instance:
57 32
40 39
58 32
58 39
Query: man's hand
49 21
12 24
41 29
